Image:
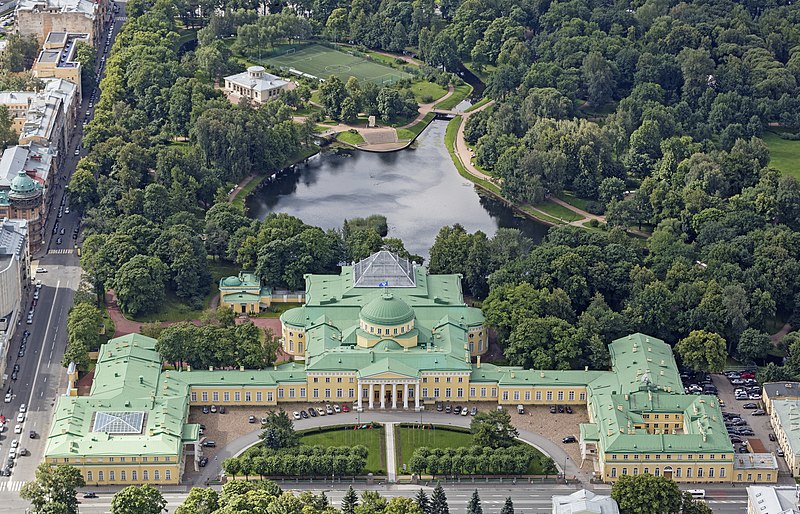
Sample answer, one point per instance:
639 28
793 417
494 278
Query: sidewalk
391 463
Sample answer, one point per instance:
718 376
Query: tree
402 505
439 501
199 501
646 494
611 188
692 506
508 507
54 488
279 431
753 345
133 499
139 284
474 505
349 501
87 56
83 185
599 79
332 95
83 334
423 502
703 351
349 111
8 136
493 429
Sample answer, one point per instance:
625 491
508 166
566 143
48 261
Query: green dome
386 310
23 185
295 317
231 281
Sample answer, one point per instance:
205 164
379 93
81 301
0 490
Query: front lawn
373 439
558 211
408 439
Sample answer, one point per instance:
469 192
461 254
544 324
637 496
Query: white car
20 417
8 398
23 408
12 454
41 270
66 211
14 443
296 415
18 429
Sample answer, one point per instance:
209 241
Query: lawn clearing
460 92
784 154
558 211
427 92
408 439
322 62
374 439
351 138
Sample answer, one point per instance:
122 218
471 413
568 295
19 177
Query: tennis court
322 62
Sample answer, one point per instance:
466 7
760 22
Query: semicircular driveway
546 446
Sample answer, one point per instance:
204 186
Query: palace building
385 334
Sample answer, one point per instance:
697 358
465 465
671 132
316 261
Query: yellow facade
128 470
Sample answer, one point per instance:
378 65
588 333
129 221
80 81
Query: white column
371 395
416 396
394 395
405 395
383 396
360 394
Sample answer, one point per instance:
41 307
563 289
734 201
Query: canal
418 189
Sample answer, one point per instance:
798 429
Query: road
41 378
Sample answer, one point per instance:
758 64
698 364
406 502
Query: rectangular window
613 472
215 396
505 395
448 380
111 476
291 393
145 475
237 396
722 472
89 476
327 380
280 393
624 471
205 396
315 393
447 392
122 476
516 395
302 392
327 393
156 475
339 392
494 392
527 396
460 392
710 472
226 396
472 392
582 396
247 397
538 396
424 392
259 396
100 476
167 474
316 379
339 380
436 380
194 396
561 396
460 379
549 396
134 475
678 472
435 392
572 395
483 392
688 472
270 396
635 471
758 478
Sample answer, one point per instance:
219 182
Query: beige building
255 84
25 176
17 103
58 57
772 391
785 420
41 17
14 277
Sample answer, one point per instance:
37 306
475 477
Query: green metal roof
242 297
387 310
245 280
788 412
388 365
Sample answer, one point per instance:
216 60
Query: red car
345 408
2 419
747 374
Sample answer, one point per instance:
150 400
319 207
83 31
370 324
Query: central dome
386 310
231 281
23 185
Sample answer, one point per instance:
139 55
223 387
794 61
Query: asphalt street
41 377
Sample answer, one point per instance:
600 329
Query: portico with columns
384 388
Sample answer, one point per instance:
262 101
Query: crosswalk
11 485
60 251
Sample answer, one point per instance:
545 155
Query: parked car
464 411
222 409
24 452
321 411
304 414
18 429
6 472
23 408
520 409
89 495
759 412
205 409
213 409
552 409
779 452
251 419
439 406
570 439
20 417
336 408
772 437
210 444
749 406
313 412
345 408
33 434
736 439
473 411
329 409
296 415
561 409
569 409
449 408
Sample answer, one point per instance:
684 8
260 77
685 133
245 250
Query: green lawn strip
426 92
247 189
784 154
351 138
373 439
539 215
450 143
573 200
308 110
482 75
558 211
460 92
483 101
415 130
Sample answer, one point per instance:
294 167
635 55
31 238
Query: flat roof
773 500
788 415
782 389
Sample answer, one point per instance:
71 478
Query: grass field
460 92
784 155
425 92
351 138
414 130
407 439
374 439
322 62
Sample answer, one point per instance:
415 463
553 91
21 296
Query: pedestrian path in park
391 465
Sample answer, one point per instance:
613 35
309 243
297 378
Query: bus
697 494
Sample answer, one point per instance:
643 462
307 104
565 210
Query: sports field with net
322 62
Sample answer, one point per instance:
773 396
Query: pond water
418 189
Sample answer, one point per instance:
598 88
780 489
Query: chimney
141 379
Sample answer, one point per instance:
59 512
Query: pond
418 189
